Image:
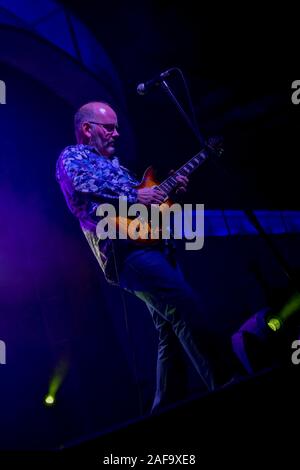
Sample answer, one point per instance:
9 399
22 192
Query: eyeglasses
110 128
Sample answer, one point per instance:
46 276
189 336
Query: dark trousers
174 307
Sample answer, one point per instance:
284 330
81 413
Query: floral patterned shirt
87 178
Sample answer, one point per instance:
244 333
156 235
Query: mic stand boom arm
194 128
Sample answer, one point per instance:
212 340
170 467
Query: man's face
104 129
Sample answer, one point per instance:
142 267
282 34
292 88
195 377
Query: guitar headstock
215 145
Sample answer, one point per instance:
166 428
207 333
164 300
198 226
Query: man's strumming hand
149 196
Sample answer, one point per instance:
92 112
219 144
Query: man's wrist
133 196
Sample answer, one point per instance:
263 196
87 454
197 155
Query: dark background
239 65
55 304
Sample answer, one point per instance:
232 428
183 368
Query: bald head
96 124
93 111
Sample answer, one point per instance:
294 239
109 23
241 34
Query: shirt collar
91 148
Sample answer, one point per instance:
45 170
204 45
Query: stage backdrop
61 322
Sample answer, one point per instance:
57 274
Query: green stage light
56 381
290 308
49 400
274 323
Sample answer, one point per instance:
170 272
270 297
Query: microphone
143 88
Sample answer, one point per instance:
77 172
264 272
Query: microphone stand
248 212
194 128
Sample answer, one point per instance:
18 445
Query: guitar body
127 227
138 228
148 180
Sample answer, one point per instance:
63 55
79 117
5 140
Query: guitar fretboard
170 183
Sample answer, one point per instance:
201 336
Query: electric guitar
139 228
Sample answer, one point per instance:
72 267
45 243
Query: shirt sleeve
102 184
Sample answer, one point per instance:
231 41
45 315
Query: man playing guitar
89 174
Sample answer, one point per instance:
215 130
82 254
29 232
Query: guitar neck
170 183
